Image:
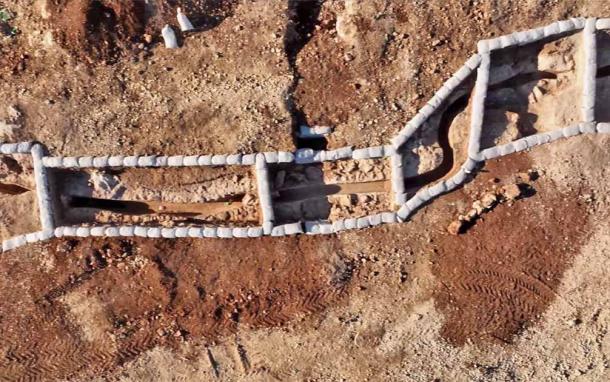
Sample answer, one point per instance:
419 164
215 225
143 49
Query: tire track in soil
179 291
501 276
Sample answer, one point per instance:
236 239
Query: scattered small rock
511 191
489 200
455 228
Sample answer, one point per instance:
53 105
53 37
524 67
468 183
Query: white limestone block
168 233
69 231
184 22
603 128
70 162
130 161
603 24
350 223
571 131
362 222
24 147
403 213
293 228
182 232
271 156
400 198
204 160
360 154
59 231
191 160
507 149
255 231
112 232
338 225
83 231
140 231
532 140
388 217
86 161
9 148
520 145
551 29
248 159
240 232
46 234
267 227
470 165
169 36
565 26
225 232
304 156
116 161
32 237
147 161
195 232
154 232
587 128
126 231
234 159
375 152
483 46
473 62
97 231
326 228
210 232
278 231
494 44
100 162
374 220
508 41
52 162
175 160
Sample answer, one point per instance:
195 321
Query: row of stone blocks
165 161
301 156
404 212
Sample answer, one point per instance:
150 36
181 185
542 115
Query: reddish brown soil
98 30
157 292
501 275
493 281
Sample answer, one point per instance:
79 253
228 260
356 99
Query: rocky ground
503 279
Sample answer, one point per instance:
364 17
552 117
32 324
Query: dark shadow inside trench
302 20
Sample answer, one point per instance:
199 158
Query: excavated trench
303 17
79 204
168 196
238 205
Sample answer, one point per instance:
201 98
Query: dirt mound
104 30
103 302
98 30
500 276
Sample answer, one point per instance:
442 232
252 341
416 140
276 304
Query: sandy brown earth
521 294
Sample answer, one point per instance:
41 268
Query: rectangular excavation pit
170 196
330 190
534 89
